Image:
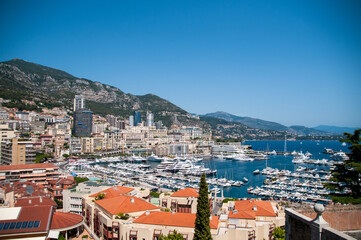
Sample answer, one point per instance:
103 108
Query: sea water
237 170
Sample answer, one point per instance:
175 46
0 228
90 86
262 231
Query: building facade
150 119
79 103
37 173
82 123
15 152
137 118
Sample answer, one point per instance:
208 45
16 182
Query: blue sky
293 62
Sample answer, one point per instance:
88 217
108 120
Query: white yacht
154 158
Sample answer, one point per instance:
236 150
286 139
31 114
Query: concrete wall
341 218
300 227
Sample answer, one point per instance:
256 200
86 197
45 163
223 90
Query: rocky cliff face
24 80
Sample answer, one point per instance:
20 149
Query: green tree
202 229
100 196
80 180
346 176
59 203
172 236
279 233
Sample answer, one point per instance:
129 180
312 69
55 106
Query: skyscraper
137 118
79 103
131 120
150 119
82 123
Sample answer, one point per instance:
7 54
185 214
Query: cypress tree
202 229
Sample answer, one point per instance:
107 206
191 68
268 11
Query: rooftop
27 166
173 219
252 208
187 192
125 204
30 219
115 191
35 201
63 220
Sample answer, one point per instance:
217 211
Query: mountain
335 129
256 123
32 86
235 130
250 122
305 131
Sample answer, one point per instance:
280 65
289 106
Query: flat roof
9 213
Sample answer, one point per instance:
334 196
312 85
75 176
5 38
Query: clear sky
293 62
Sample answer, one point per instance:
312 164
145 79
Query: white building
79 102
150 119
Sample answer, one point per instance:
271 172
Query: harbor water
237 170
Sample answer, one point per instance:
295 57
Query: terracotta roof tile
24 189
31 213
61 181
264 208
187 192
65 220
242 214
125 204
173 219
27 166
35 201
114 191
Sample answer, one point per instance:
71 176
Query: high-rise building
79 102
116 122
158 125
150 119
82 123
15 152
137 118
131 120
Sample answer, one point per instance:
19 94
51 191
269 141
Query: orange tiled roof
35 201
31 213
24 189
114 191
65 220
173 219
242 214
61 181
125 204
264 208
187 192
27 166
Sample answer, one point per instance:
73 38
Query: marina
296 176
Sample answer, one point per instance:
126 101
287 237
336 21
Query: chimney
132 200
210 218
29 201
147 213
41 199
255 208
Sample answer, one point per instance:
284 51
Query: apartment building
183 200
39 173
57 186
106 215
152 225
16 151
72 197
251 219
